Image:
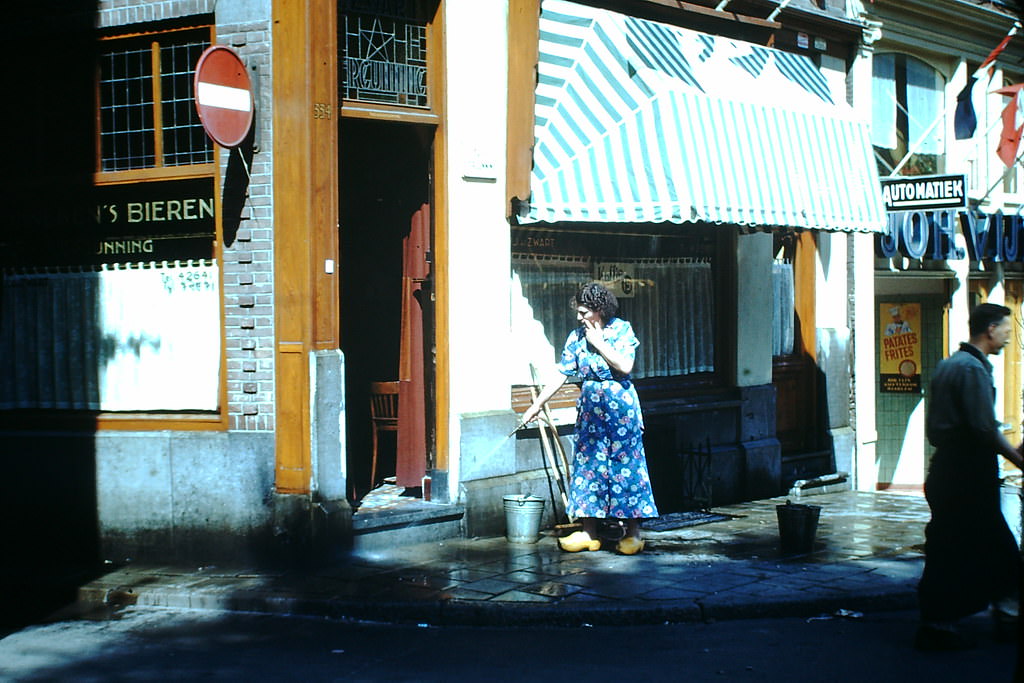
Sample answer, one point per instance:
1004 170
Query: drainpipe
775 13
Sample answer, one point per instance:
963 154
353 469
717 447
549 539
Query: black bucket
798 524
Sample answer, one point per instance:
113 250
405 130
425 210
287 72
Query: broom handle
546 447
565 472
546 411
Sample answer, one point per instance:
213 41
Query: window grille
185 141
147 115
126 110
383 60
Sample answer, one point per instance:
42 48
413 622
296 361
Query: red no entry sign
223 96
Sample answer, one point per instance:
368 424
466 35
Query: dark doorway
384 180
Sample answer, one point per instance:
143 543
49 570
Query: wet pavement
866 555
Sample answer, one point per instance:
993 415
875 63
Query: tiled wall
893 411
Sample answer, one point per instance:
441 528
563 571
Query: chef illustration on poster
900 348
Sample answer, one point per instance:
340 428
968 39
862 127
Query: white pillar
960 154
997 295
864 365
959 299
753 310
479 251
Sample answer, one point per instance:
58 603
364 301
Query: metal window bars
147 116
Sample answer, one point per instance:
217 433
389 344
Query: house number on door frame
321 110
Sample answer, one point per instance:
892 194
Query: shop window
117 339
147 117
664 284
908 115
120 312
794 366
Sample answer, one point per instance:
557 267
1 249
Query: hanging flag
965 122
1013 124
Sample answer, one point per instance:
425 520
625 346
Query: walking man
971 558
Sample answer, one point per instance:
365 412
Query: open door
411 458
385 316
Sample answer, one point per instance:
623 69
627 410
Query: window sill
68 420
185 171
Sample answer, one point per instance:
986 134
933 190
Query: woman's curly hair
597 298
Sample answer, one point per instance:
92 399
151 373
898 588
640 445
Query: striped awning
638 121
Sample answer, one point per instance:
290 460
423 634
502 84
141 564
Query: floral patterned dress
609 477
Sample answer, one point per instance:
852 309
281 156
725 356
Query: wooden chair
383 416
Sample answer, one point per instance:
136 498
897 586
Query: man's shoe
577 541
941 638
1004 624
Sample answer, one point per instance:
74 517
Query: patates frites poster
899 361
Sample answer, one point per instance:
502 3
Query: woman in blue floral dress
609 477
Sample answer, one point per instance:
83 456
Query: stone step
413 522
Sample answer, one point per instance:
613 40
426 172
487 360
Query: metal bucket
522 518
798 524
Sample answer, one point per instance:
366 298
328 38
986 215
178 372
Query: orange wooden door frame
439 219
305 157
1013 410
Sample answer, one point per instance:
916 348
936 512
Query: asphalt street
148 644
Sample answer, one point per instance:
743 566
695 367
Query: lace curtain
672 310
783 304
883 101
924 103
121 339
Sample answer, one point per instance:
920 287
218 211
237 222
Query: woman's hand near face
595 336
594 331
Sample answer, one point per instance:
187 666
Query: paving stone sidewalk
867 555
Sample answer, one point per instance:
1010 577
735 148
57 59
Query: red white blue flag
965 122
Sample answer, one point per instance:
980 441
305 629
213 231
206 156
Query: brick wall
113 13
249 259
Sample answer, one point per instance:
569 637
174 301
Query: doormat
679 520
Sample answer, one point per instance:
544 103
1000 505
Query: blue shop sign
929 235
925 212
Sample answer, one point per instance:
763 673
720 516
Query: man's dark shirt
960 409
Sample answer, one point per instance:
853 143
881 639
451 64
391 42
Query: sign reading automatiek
924 192
926 212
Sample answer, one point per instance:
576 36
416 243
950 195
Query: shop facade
139 395
735 267
385 223
315 259
953 217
